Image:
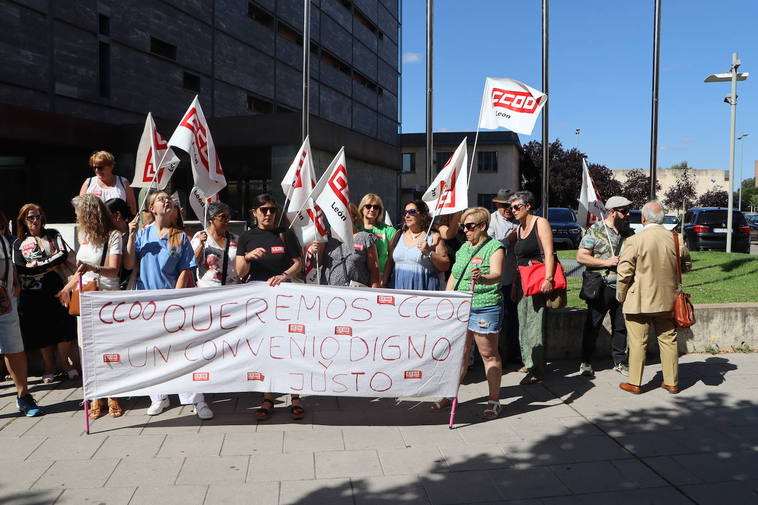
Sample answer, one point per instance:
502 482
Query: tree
637 187
565 175
748 192
714 197
682 194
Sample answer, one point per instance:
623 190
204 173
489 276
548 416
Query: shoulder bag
593 282
684 312
5 289
533 275
73 304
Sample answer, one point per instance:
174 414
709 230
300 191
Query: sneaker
203 411
622 369
72 374
27 406
157 407
586 370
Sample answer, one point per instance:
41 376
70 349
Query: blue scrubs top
159 265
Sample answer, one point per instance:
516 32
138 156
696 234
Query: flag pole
155 178
284 208
476 139
654 114
545 124
429 105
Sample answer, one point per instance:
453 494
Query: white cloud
411 57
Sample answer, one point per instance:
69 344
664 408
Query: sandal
530 379
95 409
523 369
114 409
48 378
442 405
264 413
297 412
492 411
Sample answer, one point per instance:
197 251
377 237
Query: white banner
591 208
155 162
448 192
294 338
510 104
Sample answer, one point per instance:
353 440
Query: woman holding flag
372 212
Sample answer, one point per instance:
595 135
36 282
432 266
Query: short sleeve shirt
343 264
278 257
596 240
384 234
212 261
159 264
93 255
485 295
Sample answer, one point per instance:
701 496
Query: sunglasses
223 217
98 167
622 211
266 210
469 226
518 206
410 212
371 206
32 219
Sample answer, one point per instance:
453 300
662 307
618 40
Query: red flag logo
517 101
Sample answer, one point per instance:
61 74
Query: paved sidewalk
567 441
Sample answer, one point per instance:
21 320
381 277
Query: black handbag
592 286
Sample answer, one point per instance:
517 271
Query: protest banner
293 338
156 161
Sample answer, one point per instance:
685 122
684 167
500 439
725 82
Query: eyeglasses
371 206
518 206
32 219
410 212
469 226
266 210
223 217
624 211
98 167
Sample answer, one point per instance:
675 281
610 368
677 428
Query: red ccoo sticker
476 261
111 358
254 376
277 249
201 376
343 330
385 300
412 374
297 328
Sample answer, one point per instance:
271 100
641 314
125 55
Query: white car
635 221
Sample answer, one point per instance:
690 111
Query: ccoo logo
517 101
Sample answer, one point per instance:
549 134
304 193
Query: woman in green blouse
371 211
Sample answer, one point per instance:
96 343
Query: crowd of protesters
123 247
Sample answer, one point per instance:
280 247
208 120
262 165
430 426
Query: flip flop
297 412
264 413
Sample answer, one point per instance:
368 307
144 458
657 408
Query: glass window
409 163
441 160
561 215
485 200
486 161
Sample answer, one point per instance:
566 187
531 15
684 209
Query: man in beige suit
647 285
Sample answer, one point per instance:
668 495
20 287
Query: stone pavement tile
372 437
17 426
474 457
222 404
238 443
529 483
336 464
316 492
77 473
650 496
34 497
257 493
18 448
722 493
57 427
386 490
272 467
24 474
139 472
558 450
606 476
487 432
96 496
213 470
425 435
412 460
313 441
656 443
717 467
130 446
124 425
169 423
196 444
227 423
671 470
460 487
281 421
169 495
68 447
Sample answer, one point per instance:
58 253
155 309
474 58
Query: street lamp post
732 76
742 159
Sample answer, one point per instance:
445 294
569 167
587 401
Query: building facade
81 75
705 179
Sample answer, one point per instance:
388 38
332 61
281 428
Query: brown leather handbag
684 312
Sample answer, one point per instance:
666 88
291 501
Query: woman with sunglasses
216 249
105 184
270 254
477 268
416 260
534 242
166 260
372 213
40 254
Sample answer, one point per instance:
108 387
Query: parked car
635 221
566 231
752 221
704 228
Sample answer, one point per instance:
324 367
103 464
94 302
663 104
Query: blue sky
600 73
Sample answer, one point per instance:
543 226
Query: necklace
415 236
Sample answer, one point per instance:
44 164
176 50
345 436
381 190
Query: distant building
705 179
497 162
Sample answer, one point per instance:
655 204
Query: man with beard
599 252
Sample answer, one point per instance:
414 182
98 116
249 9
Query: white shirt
92 255
6 263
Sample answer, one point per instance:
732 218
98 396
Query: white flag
448 193
156 161
591 208
192 135
510 104
310 224
332 194
198 201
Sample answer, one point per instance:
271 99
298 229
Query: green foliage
637 187
715 197
749 195
743 347
682 194
712 349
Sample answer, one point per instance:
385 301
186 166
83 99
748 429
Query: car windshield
718 218
635 217
561 216
752 219
670 220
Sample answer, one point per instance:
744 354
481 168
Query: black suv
705 228
566 231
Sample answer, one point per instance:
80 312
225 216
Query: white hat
616 202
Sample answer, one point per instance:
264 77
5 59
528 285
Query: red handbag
684 311
533 275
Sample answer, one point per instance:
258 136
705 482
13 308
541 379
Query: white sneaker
157 407
586 370
203 411
622 369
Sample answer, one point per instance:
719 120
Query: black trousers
509 347
596 311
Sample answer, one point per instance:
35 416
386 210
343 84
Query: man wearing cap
502 224
599 252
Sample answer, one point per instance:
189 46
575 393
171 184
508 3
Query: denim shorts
486 319
10 331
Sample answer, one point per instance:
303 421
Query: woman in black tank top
534 242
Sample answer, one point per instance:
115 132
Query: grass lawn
715 277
